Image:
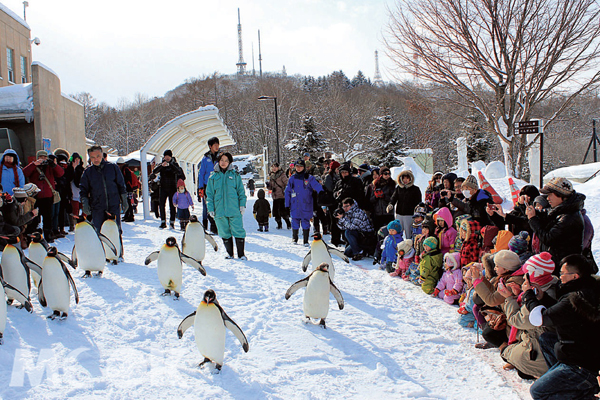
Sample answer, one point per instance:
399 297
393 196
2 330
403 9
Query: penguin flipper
71 282
234 328
339 254
27 304
32 266
337 294
74 257
108 243
65 259
41 296
300 284
212 242
192 263
185 324
152 257
306 261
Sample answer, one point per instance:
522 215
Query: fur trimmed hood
408 173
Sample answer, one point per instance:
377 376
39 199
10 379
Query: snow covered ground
391 341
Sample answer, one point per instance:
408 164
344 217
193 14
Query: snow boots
306 233
295 236
278 220
228 243
239 243
287 223
183 223
163 224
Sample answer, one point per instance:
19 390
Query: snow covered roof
187 134
577 173
17 101
14 16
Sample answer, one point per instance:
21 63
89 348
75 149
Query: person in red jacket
42 172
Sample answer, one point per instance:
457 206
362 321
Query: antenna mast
377 78
241 65
259 56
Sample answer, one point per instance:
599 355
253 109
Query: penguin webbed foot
218 368
54 315
201 365
87 274
167 292
99 275
1 339
64 316
114 262
322 323
176 296
9 301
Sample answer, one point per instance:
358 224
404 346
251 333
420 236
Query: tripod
595 141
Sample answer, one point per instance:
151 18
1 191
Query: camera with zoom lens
338 212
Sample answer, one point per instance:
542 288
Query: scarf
15 172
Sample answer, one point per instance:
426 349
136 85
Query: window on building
10 63
23 69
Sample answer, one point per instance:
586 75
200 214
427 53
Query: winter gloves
452 292
242 209
435 293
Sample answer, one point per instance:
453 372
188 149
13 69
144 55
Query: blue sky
115 49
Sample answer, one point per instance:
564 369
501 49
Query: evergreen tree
308 139
478 141
389 138
360 79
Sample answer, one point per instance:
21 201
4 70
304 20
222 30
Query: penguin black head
317 236
52 252
209 296
111 216
323 267
193 218
78 218
36 237
171 241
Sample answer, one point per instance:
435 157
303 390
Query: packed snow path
391 341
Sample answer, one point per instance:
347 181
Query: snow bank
576 173
17 99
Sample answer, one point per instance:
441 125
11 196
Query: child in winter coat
427 230
501 241
466 318
444 230
262 211
183 201
406 256
430 267
469 233
520 245
450 286
382 233
388 256
251 186
417 223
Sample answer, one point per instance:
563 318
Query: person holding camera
380 194
359 231
43 172
170 172
102 189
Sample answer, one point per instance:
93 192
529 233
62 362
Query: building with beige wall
31 102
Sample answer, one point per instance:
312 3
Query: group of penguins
48 269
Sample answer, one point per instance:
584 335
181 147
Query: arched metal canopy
186 136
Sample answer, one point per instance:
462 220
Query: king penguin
53 290
88 251
38 248
320 252
316 298
210 321
110 229
3 307
193 243
169 266
16 269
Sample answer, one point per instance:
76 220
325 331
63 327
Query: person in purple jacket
299 198
450 285
183 201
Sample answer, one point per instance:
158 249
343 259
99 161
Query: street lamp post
276 122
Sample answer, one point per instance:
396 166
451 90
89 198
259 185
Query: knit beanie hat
346 167
334 164
180 183
508 260
470 183
405 246
519 243
542 201
540 268
431 242
395 225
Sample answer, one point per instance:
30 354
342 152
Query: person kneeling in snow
450 285
406 256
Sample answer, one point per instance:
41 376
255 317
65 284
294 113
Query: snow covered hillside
391 341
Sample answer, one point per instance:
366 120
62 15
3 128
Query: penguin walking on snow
110 229
88 251
38 248
16 269
53 290
169 266
193 243
316 298
3 307
210 321
320 252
